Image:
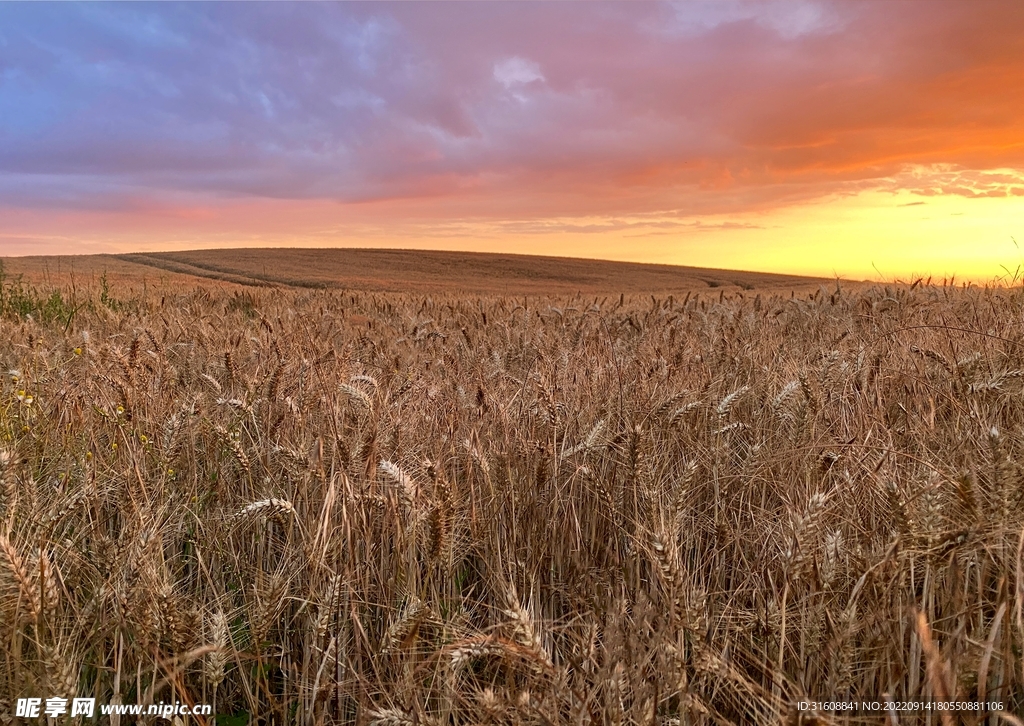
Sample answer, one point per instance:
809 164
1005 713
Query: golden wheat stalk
403 630
390 717
524 629
279 510
216 660
26 593
407 488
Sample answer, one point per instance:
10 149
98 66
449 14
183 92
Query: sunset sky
860 139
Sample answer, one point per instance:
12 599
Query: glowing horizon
859 140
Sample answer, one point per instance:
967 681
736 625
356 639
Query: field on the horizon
380 491
409 271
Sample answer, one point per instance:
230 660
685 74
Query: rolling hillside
405 271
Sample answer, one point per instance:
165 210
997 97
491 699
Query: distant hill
409 271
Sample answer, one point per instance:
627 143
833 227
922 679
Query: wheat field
321 507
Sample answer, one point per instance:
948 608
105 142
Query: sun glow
878 236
